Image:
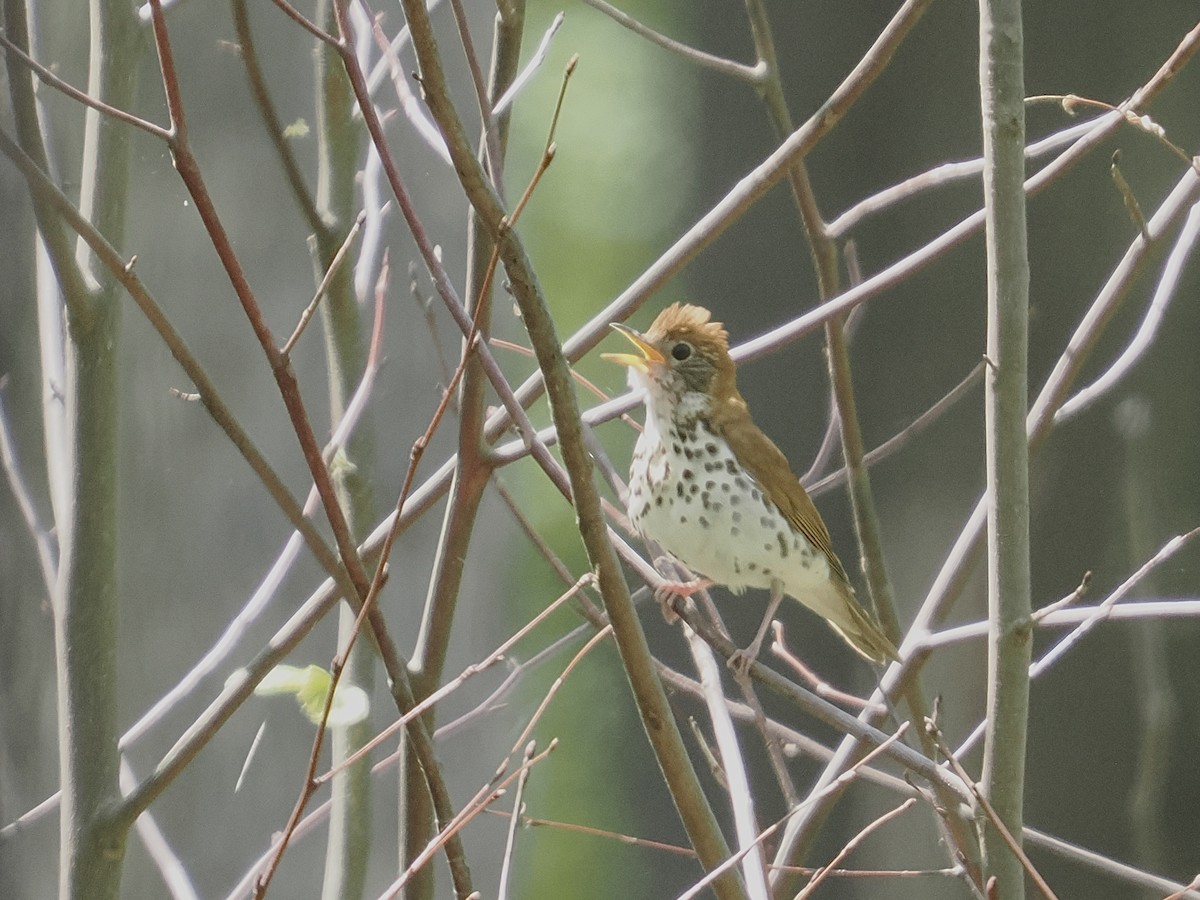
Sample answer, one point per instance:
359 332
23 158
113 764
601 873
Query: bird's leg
740 661
673 587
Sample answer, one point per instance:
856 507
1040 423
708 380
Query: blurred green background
646 144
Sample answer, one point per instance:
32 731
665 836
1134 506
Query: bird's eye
681 351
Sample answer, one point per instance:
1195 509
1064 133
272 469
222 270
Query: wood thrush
712 490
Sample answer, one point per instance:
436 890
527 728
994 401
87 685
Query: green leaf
310 686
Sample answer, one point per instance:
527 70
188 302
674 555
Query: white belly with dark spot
692 499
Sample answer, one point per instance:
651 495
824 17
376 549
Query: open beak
649 354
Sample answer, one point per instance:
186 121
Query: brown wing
769 467
771 470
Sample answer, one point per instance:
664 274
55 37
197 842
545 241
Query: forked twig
935 732
487 795
819 685
852 845
749 74
48 77
844 780
335 266
1141 342
510 840
535 61
454 684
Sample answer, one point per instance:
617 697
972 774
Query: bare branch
750 74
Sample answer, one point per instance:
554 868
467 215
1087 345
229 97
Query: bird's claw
665 596
681 588
666 592
672 586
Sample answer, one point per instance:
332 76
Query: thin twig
1108 608
592 831
1072 102
1013 845
850 775
336 669
488 795
1142 341
1131 611
587 648
510 840
46 550
833 429
274 125
733 766
49 78
170 866
580 379
469 672
1127 196
490 138
335 266
1070 599
1168 550
853 844
296 16
819 685
409 104
676 850
901 439
548 149
944 174
752 75
535 61
1100 863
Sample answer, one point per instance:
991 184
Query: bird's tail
856 625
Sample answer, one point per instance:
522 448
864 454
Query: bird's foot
666 593
674 587
681 588
741 660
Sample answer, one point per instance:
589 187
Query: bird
713 491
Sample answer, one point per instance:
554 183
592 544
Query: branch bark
1002 96
348 847
85 597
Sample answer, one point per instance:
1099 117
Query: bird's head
682 359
